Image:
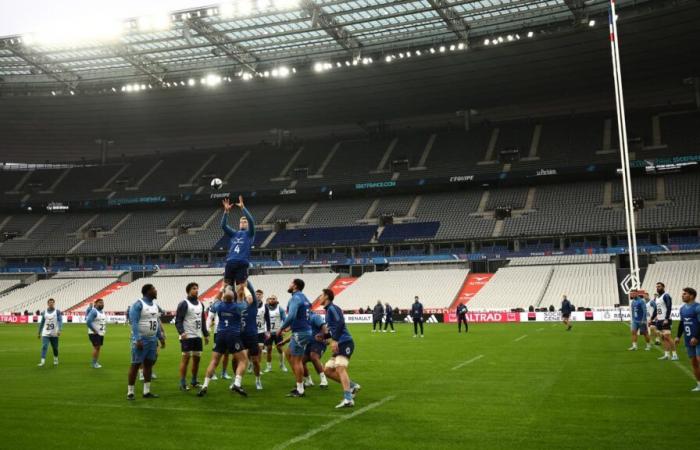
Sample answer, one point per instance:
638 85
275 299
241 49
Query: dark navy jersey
250 316
461 310
389 313
336 324
241 241
689 325
230 316
566 307
417 310
298 310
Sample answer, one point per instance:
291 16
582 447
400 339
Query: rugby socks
269 366
183 381
146 387
237 381
94 361
193 381
322 376
300 388
347 395
206 382
130 389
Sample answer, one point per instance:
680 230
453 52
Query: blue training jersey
335 320
298 311
639 310
250 316
690 321
317 323
241 241
230 316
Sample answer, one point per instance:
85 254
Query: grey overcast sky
29 16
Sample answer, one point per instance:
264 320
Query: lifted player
237 260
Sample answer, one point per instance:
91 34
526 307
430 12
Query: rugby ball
216 183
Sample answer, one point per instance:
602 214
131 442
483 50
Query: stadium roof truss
271 33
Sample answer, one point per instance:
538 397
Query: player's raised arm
226 203
248 216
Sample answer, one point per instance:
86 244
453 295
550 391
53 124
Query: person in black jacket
566 310
388 317
377 315
462 317
417 316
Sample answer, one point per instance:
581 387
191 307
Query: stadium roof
248 39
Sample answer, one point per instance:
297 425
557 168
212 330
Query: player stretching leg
662 314
191 326
314 351
275 315
227 339
145 334
639 319
97 326
689 327
237 260
298 319
343 347
249 333
50 329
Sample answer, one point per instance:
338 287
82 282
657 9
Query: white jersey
51 327
212 320
275 319
193 320
99 322
662 308
148 322
260 320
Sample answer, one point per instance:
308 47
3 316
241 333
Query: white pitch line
520 338
332 423
469 361
540 329
189 409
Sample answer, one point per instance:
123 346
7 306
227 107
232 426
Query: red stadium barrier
485 317
14 319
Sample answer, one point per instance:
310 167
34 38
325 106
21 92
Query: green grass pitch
491 388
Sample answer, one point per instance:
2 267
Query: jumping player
298 320
662 319
689 327
97 327
314 351
191 326
275 316
639 319
145 333
343 347
50 329
237 260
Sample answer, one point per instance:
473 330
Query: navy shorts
191 345
261 338
315 347
274 339
236 271
346 349
661 327
97 340
227 342
250 343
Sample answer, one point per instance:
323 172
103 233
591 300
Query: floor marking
540 329
469 361
189 409
520 338
332 423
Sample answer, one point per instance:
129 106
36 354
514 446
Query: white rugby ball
216 183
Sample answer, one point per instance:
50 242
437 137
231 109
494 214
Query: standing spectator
377 315
462 317
389 317
417 316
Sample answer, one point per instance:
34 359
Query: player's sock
55 360
347 395
237 381
183 381
268 366
130 389
300 387
94 362
206 382
667 354
146 387
193 381
322 376
43 361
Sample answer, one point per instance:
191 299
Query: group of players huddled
243 326
652 316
